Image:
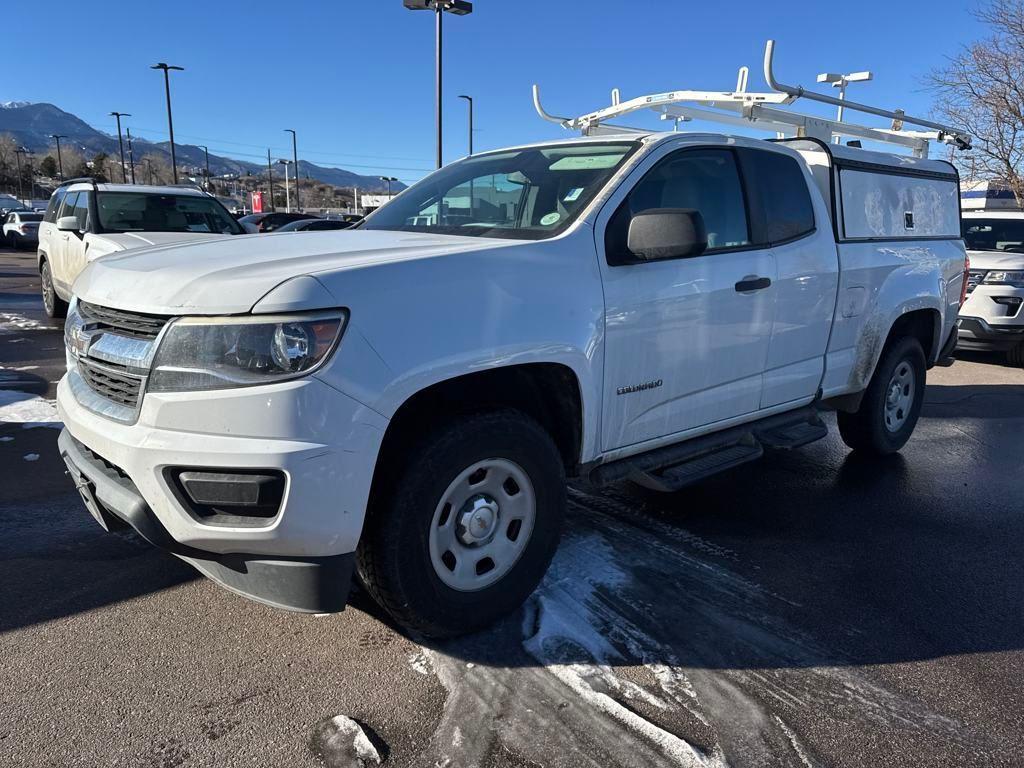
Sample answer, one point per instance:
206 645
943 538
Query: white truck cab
406 398
85 220
991 319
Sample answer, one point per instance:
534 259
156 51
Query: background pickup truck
407 398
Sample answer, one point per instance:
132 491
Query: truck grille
974 277
132 324
111 381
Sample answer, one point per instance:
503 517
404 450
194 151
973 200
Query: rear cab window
781 209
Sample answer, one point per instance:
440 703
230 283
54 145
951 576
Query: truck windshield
527 194
148 212
994 235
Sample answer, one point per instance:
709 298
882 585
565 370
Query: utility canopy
763 111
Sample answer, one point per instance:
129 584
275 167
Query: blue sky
355 77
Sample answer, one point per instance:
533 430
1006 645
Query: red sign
257 202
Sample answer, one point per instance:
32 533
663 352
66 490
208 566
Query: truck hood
126 240
229 275
996 260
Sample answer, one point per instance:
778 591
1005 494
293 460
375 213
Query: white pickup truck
407 398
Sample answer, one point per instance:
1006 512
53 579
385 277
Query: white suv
991 319
85 220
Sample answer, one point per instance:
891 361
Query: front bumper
977 334
322 442
311 584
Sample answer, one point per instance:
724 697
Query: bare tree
982 90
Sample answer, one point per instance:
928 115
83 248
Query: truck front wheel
892 403
469 525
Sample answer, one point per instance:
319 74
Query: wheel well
548 392
921 324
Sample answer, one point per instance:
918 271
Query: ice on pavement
11 322
341 742
23 408
645 645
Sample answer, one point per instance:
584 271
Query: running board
676 466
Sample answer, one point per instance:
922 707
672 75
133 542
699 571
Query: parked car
991 320
85 220
408 400
314 225
9 203
21 229
269 222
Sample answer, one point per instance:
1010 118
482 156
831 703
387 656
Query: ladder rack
744 108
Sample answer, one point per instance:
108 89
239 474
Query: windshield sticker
574 193
550 218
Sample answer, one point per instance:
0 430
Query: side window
780 204
68 208
705 180
54 205
82 210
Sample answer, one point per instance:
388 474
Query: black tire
393 559
865 431
12 242
53 304
1016 355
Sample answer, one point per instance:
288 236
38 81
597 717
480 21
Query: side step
675 466
681 475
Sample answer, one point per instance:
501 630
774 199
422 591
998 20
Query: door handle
750 284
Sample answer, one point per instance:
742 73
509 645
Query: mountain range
32 125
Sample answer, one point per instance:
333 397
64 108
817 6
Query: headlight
1015 279
198 353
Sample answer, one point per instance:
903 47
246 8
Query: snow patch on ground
23 408
644 646
420 663
11 322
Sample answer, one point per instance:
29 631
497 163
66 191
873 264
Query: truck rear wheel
469 525
892 403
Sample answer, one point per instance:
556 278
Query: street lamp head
458 7
837 80
289 130
166 67
284 162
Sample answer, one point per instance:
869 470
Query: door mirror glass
67 223
667 233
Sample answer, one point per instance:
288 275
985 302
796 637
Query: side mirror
68 224
667 233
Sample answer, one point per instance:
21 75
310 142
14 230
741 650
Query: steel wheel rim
47 290
899 396
482 524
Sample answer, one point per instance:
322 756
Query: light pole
287 194
270 179
469 101
840 82
21 188
131 153
207 152
120 143
439 7
295 159
60 163
387 180
170 123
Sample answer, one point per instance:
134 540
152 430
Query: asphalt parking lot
808 610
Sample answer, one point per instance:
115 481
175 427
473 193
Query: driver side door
686 339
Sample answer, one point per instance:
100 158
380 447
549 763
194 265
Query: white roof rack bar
746 108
